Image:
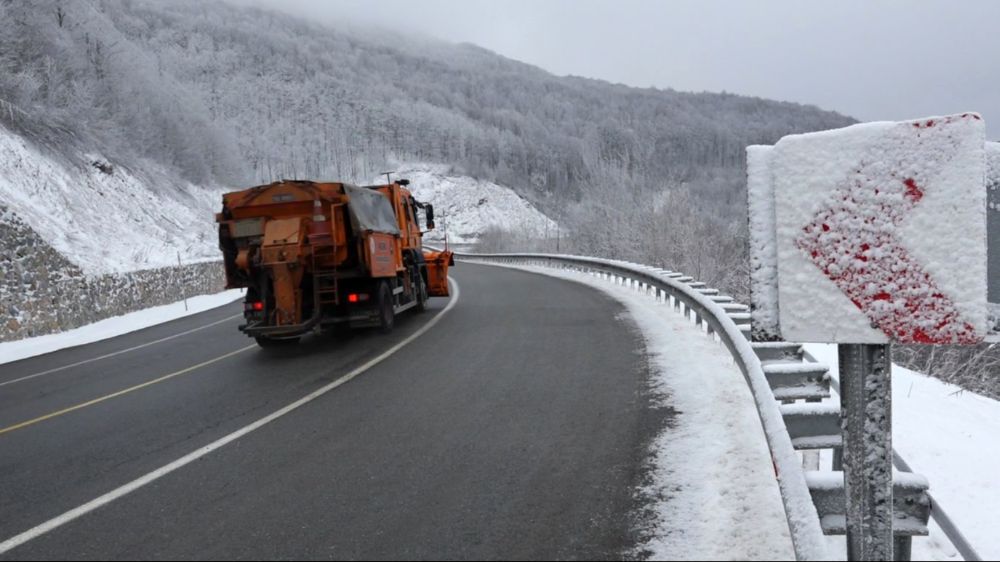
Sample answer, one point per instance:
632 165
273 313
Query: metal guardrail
788 427
790 373
707 309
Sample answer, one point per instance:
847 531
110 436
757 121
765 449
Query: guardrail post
866 417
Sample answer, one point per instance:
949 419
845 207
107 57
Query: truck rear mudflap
437 272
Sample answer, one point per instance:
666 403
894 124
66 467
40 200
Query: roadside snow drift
115 326
713 484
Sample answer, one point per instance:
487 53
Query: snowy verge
713 487
948 435
114 327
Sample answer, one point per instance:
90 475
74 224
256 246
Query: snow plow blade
437 272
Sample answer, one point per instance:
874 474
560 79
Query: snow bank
467 207
106 221
873 222
113 327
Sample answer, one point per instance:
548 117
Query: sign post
867 236
866 414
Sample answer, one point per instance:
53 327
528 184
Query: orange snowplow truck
315 255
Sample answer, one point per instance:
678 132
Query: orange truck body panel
381 255
311 253
437 272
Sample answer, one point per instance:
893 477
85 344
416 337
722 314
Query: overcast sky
889 59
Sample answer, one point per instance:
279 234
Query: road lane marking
106 356
73 514
83 405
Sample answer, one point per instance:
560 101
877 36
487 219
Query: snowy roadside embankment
713 488
114 327
82 240
66 303
41 292
104 218
948 435
467 207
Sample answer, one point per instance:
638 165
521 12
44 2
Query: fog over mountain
220 94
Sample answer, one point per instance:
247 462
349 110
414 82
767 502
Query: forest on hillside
236 96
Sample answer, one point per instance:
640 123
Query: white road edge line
113 354
52 524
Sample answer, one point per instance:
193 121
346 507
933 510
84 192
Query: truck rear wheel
386 309
266 342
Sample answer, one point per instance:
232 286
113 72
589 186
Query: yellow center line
89 403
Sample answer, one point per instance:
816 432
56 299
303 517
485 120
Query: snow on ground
106 222
465 207
716 497
950 436
113 327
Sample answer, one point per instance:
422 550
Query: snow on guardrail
804 527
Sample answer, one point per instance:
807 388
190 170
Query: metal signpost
852 240
866 404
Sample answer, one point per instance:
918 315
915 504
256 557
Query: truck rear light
357 297
318 215
255 306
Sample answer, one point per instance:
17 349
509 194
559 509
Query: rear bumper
258 330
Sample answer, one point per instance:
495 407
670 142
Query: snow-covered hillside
106 220
466 207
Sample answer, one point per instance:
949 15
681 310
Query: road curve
515 428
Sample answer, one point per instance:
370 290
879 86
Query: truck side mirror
429 209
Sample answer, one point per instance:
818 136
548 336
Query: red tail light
258 306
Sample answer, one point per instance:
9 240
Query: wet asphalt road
515 428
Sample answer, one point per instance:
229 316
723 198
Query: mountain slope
211 93
467 208
104 218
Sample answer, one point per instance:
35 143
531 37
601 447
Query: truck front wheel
386 310
421 290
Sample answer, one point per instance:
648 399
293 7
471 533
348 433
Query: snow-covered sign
879 232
